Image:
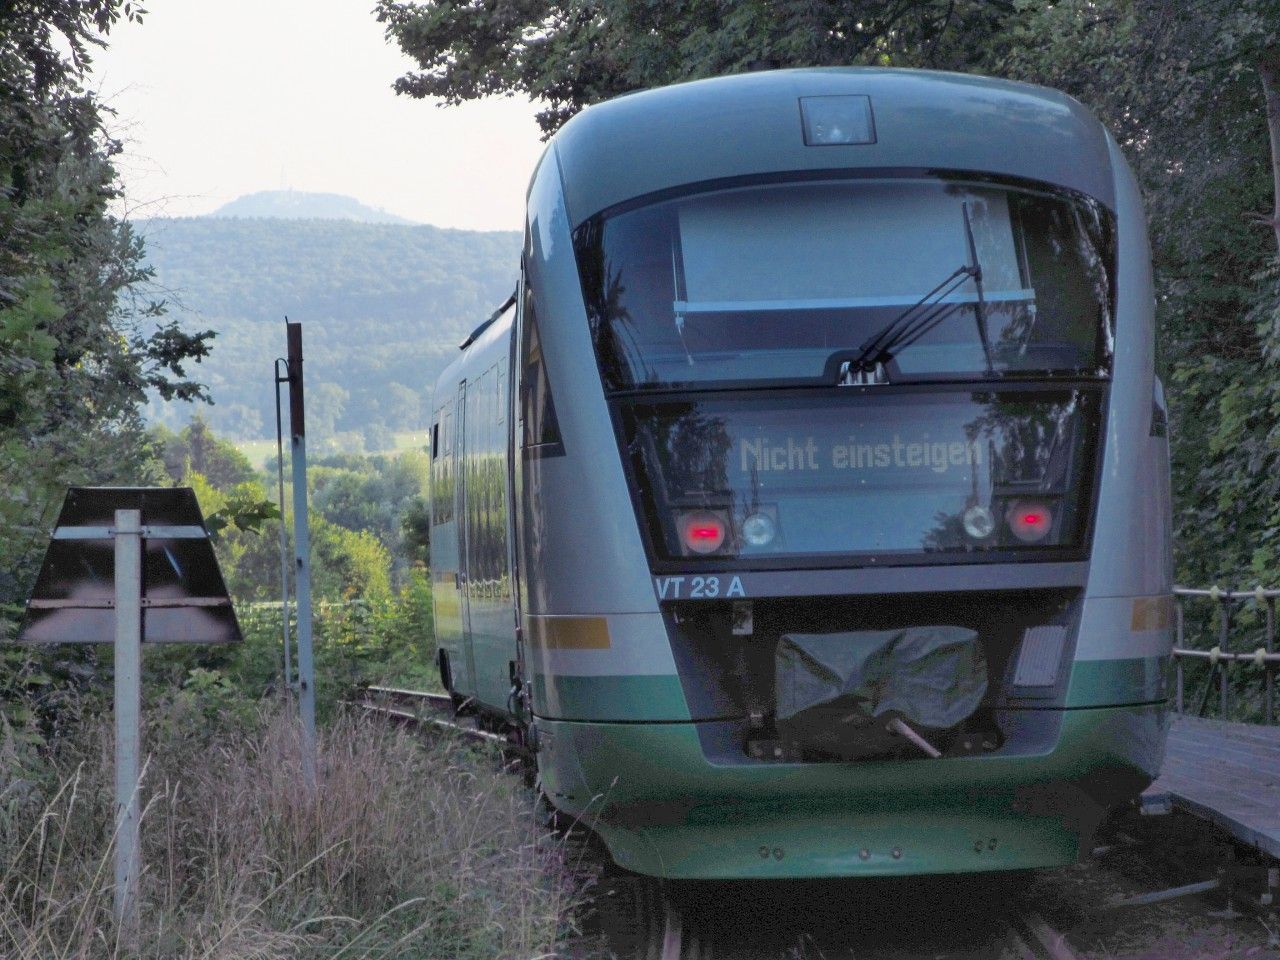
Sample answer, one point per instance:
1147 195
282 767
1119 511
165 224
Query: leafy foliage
571 53
370 493
243 510
415 529
574 53
197 448
1181 85
78 347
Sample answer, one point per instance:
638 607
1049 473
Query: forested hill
305 205
384 307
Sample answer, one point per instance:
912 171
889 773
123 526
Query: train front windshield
724 323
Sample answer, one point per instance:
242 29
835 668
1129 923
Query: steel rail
417 718
1028 937
427 696
437 702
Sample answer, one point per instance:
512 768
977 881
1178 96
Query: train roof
480 344
750 125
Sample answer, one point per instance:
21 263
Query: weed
405 850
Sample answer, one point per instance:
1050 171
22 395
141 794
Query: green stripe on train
1132 680
660 697
638 697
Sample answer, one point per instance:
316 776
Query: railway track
1028 937
639 918
421 708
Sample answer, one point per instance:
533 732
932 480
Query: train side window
537 409
435 440
442 476
484 517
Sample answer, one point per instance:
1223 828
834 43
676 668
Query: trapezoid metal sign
184 598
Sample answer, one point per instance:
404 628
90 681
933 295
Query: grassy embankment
406 850
410 848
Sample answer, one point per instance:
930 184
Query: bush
384 640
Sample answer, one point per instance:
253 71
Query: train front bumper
664 809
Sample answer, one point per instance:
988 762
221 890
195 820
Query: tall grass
406 850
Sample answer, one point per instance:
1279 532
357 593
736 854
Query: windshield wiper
902 331
980 308
918 319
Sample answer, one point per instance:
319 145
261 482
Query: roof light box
837 120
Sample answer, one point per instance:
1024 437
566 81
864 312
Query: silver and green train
806 512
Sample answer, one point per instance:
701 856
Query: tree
1190 90
79 343
571 53
348 565
325 404
242 421
196 448
1189 93
1269 75
369 493
422 289
379 438
415 530
403 407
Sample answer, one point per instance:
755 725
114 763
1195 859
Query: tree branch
1269 72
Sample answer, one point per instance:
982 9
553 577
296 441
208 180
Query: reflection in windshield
770 283
960 472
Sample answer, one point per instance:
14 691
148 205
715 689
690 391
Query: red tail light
1029 521
703 531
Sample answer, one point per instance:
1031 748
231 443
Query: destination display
765 455
947 471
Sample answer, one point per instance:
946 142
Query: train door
462 460
508 394
446 565
489 625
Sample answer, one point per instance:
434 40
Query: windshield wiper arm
910 325
906 327
980 309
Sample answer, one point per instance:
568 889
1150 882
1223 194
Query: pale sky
218 98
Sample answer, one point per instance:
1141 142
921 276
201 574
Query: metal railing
1223 661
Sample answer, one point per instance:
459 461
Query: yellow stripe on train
568 633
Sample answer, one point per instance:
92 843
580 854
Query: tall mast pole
302 556
284 533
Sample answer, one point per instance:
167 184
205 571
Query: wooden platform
1227 773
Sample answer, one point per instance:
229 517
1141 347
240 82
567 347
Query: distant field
258 451
409 440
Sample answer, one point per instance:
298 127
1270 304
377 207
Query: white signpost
128 682
123 582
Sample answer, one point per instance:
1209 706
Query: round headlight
979 522
1029 521
758 530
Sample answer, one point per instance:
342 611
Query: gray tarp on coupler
836 691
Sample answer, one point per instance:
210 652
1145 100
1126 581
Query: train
805 512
